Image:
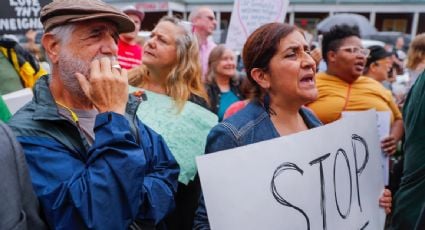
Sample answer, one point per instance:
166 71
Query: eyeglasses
356 50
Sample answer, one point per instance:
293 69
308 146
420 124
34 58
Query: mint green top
185 133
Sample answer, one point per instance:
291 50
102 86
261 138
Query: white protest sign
15 100
248 15
20 15
383 119
324 178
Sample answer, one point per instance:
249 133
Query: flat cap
61 12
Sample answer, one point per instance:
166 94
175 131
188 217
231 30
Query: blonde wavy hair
184 79
416 53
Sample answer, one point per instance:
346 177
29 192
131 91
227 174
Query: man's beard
68 66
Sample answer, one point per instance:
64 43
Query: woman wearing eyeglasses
342 88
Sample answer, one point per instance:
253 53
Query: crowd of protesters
110 137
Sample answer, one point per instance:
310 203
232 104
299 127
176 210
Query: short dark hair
332 39
260 47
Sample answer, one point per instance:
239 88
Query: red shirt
129 56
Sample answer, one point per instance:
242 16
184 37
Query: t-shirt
234 108
129 56
226 99
204 53
336 95
86 120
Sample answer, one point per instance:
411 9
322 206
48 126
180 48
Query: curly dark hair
332 40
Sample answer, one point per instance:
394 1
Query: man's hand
385 201
106 87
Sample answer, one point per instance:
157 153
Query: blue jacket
250 125
128 174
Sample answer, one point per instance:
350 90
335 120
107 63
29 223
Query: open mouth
148 53
307 80
359 66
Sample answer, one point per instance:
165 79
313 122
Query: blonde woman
416 58
170 77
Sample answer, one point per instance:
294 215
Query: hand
316 54
385 201
389 145
106 87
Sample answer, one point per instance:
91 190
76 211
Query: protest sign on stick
324 178
248 15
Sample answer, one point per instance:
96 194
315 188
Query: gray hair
195 13
63 32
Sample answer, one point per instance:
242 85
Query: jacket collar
45 106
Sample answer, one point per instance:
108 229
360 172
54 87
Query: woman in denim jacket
277 61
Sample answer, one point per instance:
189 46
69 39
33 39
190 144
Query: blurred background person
204 24
129 49
31 44
399 55
278 63
175 106
19 68
223 82
342 88
409 199
247 90
378 63
416 58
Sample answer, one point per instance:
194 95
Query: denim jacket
250 125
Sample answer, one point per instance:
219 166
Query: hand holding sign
323 178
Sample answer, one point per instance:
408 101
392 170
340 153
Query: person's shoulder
324 78
372 83
231 132
198 100
211 43
244 120
310 117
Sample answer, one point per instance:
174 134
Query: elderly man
204 23
129 50
93 163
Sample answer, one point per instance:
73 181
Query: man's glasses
356 50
